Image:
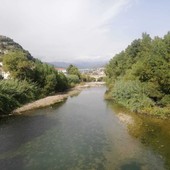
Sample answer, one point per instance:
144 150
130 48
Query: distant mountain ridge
80 64
7 44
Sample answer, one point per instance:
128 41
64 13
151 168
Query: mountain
7 44
80 64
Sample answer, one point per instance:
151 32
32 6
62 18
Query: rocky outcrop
7 44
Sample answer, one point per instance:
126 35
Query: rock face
7 44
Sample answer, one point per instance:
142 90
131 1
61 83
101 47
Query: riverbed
85 132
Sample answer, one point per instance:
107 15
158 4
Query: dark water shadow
18 130
131 166
16 163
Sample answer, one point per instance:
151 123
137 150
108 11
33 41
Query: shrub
165 101
14 93
87 78
73 79
131 94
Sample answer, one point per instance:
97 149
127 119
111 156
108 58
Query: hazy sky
66 30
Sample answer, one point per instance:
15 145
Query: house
4 74
62 70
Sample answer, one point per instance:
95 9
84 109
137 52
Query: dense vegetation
74 76
139 76
30 80
14 93
88 78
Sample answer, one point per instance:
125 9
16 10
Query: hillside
7 44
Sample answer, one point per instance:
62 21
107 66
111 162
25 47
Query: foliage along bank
74 76
139 77
30 79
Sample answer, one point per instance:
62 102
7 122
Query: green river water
84 133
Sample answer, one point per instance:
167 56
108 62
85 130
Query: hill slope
7 44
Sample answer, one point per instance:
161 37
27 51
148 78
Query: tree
73 70
146 61
18 65
44 75
49 79
1 77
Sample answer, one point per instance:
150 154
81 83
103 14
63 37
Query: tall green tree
147 62
73 70
18 65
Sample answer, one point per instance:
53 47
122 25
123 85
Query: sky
81 30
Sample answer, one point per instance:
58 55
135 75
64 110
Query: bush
14 93
165 101
1 77
143 68
131 94
30 79
62 82
100 79
87 78
73 79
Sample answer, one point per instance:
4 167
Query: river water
84 133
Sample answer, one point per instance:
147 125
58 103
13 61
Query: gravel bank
51 100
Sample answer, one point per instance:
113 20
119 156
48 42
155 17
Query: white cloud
57 30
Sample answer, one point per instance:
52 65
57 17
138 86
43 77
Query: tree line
29 80
139 76
74 76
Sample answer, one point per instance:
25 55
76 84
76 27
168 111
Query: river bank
58 98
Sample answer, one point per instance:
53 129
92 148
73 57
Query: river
84 133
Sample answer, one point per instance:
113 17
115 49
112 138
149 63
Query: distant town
97 73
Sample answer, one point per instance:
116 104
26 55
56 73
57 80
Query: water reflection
84 133
152 132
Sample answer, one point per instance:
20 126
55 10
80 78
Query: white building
4 74
62 70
